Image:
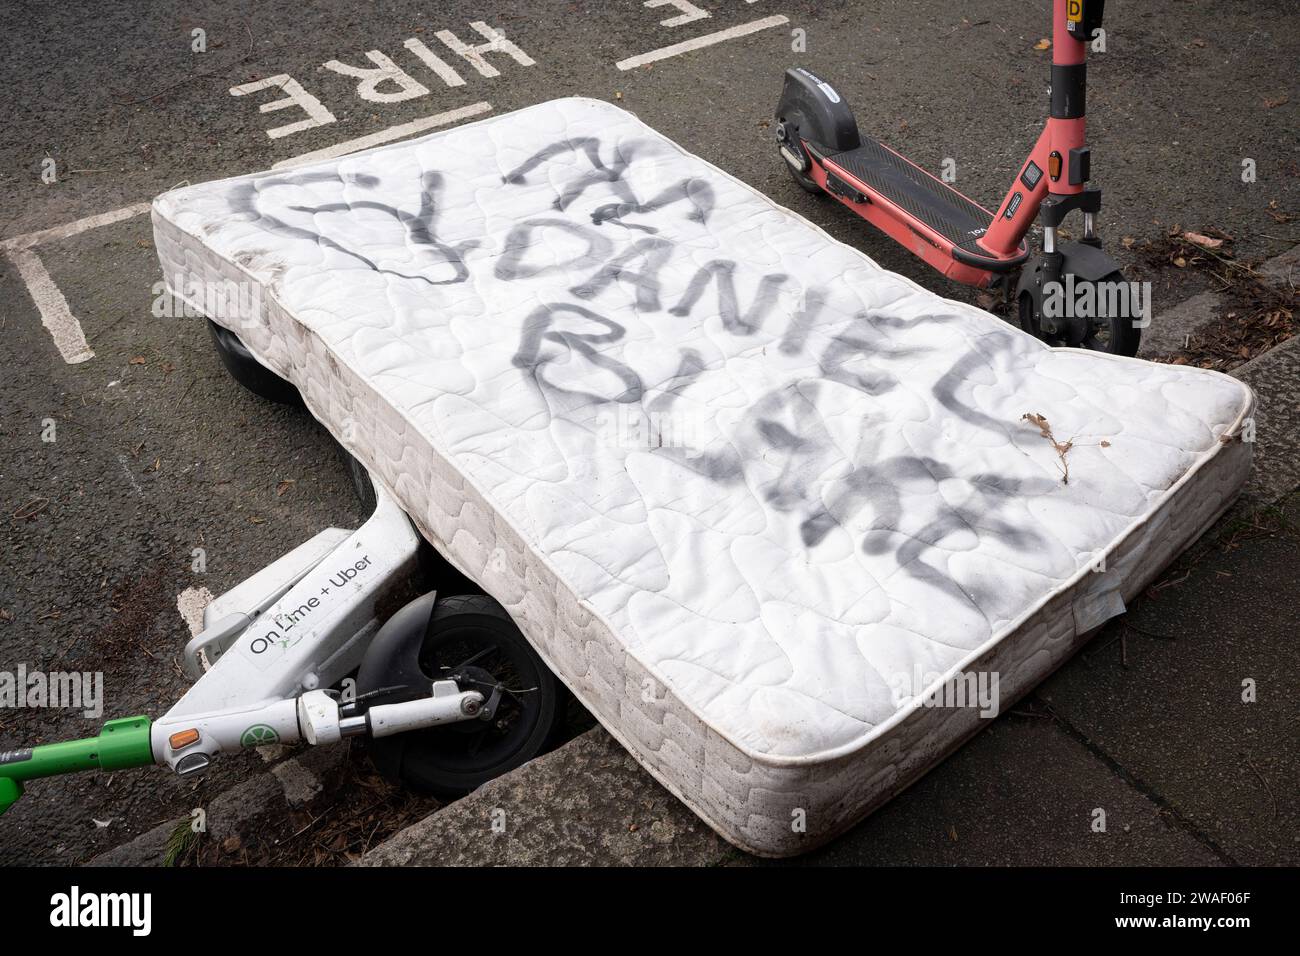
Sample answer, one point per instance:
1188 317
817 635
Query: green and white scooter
275 650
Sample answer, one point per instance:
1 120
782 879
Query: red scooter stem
1062 133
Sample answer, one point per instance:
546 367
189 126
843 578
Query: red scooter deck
924 213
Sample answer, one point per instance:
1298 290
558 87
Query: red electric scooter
821 144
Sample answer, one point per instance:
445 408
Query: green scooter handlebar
122 743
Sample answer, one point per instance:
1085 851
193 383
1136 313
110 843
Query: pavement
157 454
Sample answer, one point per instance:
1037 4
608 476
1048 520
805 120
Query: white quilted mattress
751 496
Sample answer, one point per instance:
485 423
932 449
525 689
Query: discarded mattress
764 506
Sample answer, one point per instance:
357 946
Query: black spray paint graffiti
722 272
784 429
538 330
696 193
419 227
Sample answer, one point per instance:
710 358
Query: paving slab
1283 272
1275 377
1161 693
238 811
1022 792
1169 331
586 804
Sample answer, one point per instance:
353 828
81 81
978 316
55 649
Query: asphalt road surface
157 453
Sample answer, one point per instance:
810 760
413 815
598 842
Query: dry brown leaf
1038 420
1180 262
138 360
1043 44
1274 103
283 486
1204 241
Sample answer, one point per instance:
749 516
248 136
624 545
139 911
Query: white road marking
496 43
126 469
49 300
384 73
686 46
30 239
434 62
55 314
386 135
317 114
53 307
689 12
191 603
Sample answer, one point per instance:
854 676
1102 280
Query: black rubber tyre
361 482
1112 333
248 371
806 182
787 141
472 636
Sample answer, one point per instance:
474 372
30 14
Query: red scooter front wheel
1108 321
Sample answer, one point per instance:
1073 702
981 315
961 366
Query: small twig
1062 448
1157 588
365 847
1267 788
1138 630
1090 655
309 825
1027 713
197 76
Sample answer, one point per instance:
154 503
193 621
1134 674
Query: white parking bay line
386 135
53 307
686 46
30 239
55 314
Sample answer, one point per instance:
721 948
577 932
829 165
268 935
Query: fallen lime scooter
270 665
